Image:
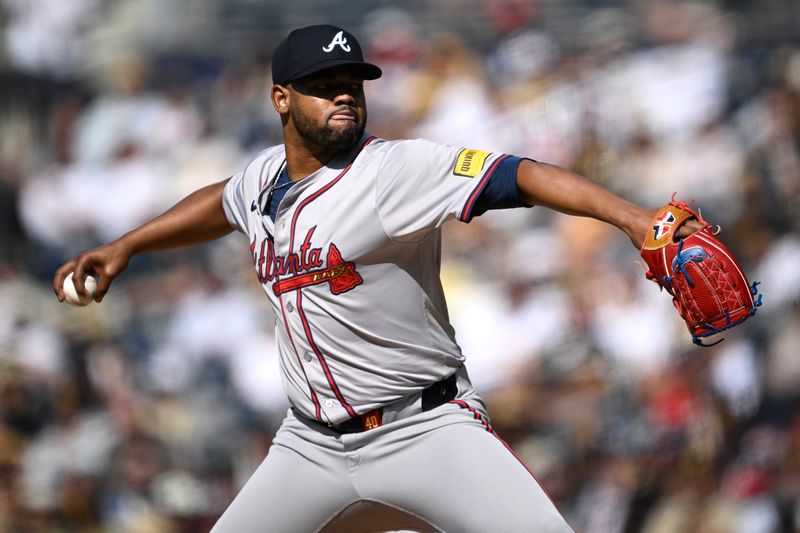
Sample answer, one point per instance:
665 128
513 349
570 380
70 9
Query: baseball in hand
71 295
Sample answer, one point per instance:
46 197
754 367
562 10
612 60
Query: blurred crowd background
147 413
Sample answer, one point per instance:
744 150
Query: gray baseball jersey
351 266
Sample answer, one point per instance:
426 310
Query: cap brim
367 70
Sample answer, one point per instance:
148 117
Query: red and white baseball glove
707 285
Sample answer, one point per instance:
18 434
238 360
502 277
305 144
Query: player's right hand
104 263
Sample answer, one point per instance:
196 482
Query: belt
433 396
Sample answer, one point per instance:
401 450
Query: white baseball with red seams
71 294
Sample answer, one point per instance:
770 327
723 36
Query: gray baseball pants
440 470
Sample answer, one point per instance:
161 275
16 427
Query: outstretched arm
567 192
197 218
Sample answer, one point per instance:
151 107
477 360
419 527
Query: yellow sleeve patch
470 162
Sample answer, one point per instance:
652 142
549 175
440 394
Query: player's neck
304 158
298 166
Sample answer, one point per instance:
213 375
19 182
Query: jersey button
289 307
307 357
329 403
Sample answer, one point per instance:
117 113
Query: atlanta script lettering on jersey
304 268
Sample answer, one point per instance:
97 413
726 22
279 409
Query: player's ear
280 99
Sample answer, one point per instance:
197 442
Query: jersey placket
299 329
288 316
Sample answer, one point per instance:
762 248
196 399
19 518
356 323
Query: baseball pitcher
385 429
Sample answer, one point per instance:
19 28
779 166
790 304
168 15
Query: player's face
329 109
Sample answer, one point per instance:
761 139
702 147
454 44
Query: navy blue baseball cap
316 48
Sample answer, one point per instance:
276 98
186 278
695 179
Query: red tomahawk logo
341 275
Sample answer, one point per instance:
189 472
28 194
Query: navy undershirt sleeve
501 191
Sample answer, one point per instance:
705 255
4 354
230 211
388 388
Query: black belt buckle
439 393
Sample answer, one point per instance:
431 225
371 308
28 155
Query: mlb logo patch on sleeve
470 162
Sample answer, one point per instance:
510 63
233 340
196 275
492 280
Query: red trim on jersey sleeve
466 212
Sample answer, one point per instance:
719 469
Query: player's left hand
644 225
684 257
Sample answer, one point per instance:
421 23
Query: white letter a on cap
338 40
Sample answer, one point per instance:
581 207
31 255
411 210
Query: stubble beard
326 136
